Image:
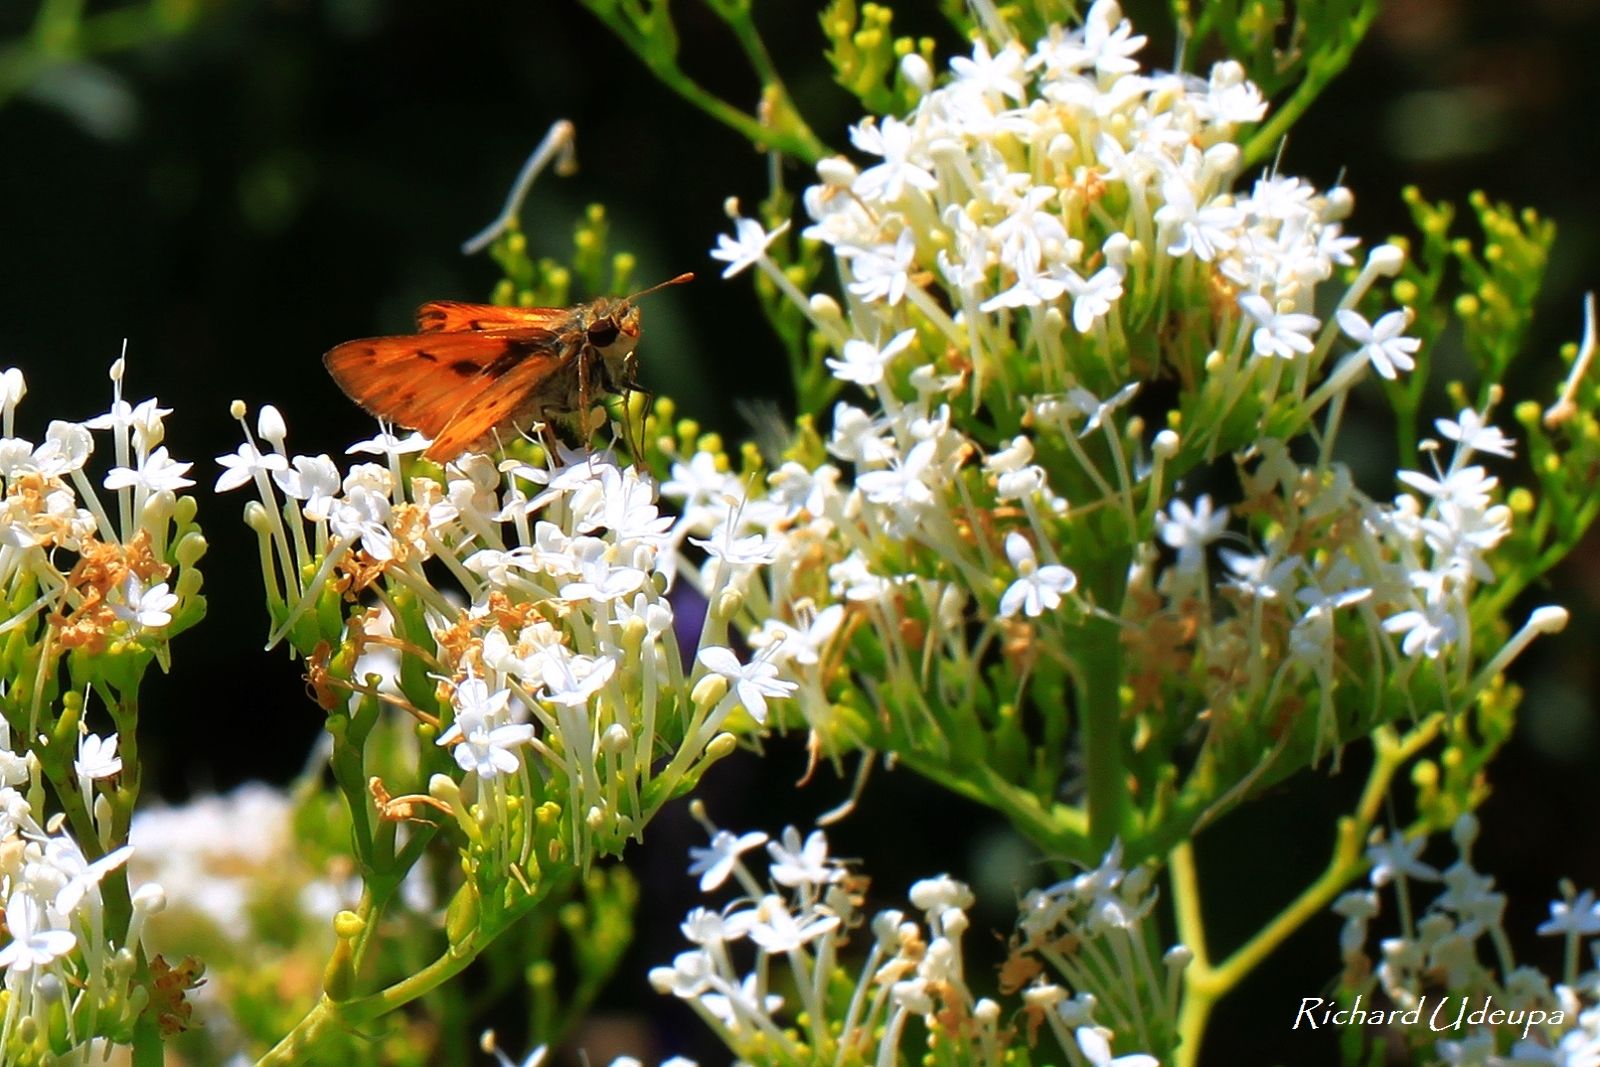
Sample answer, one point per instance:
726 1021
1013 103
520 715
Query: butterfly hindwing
518 392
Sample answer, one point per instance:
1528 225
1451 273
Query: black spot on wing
518 349
465 367
428 357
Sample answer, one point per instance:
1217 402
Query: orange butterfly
478 371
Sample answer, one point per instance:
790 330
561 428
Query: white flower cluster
1090 931
1410 566
566 644
86 574
1450 970
1049 229
60 960
800 921
113 585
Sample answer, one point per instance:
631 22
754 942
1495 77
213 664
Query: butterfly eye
603 333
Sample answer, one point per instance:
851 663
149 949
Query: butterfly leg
632 435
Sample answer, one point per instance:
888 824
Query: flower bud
836 171
721 745
1386 260
270 425
708 691
915 70
461 917
729 603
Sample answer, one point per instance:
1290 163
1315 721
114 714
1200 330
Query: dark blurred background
287 174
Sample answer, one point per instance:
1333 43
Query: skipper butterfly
475 372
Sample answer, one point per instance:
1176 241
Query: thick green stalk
1098 654
1321 69
1204 983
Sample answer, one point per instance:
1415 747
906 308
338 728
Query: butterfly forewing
425 380
449 316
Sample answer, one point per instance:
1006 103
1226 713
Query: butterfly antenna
686 276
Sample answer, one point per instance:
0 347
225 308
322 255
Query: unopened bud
836 171
709 690
269 424
1386 260
915 70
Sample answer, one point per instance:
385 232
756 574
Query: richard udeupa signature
1441 1013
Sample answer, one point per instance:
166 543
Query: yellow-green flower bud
708 691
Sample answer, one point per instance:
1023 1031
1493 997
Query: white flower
783 644
97 757
13 387
482 737
67 448
1108 39
747 247
1396 857
156 472
716 863
387 444
1473 433
1231 98
1098 410
146 608
1467 488
600 582
1205 232
1285 334
858 437
243 466
33 942
998 75
775 929
363 514
1578 916
80 878
570 680
796 864
1191 530
1382 342
862 362
1097 1050
1428 631
896 143
1094 297
754 550
751 682
1037 589
881 272
314 480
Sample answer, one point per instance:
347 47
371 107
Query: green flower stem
1321 68
149 1050
794 138
1098 653
300 1044
1059 829
1204 983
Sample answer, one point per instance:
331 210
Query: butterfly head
613 328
